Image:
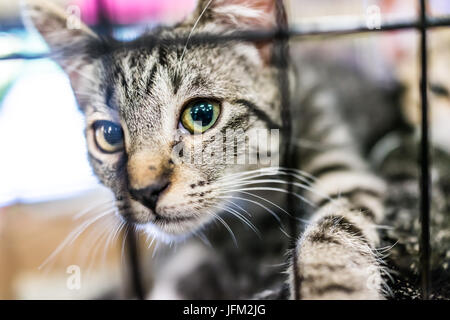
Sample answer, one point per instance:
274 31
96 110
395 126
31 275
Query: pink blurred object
135 11
397 45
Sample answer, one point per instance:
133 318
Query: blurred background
45 180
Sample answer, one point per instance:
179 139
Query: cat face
439 89
161 119
439 96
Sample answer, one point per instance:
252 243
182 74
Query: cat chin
162 228
165 234
154 231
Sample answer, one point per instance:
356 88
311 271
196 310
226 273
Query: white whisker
203 238
273 189
101 238
192 31
72 236
270 171
240 217
89 209
239 207
277 181
225 225
266 200
254 202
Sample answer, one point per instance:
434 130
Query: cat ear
63 31
243 15
68 38
239 14
60 29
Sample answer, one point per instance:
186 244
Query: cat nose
149 196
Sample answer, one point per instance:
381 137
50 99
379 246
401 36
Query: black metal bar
134 264
258 36
424 162
277 34
281 59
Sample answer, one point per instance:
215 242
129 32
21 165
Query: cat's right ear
68 38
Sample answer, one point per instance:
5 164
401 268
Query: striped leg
335 254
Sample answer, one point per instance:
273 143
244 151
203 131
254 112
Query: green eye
108 136
200 115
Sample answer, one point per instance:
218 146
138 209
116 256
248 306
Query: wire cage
281 36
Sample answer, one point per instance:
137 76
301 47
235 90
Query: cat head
439 87
163 114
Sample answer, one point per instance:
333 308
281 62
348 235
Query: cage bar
258 35
424 161
134 266
281 36
281 60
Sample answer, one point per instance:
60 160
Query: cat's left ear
242 15
68 38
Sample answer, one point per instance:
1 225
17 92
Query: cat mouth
160 222
168 228
139 214
162 218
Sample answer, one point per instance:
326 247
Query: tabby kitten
140 101
395 156
439 88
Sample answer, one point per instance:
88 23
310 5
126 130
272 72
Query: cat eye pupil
200 115
108 136
112 133
202 112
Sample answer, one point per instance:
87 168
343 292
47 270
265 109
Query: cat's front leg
336 253
336 256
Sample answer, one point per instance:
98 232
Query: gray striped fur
145 88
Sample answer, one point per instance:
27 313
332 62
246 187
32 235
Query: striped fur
143 89
336 253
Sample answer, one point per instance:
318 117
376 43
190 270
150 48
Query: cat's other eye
439 90
200 115
108 136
